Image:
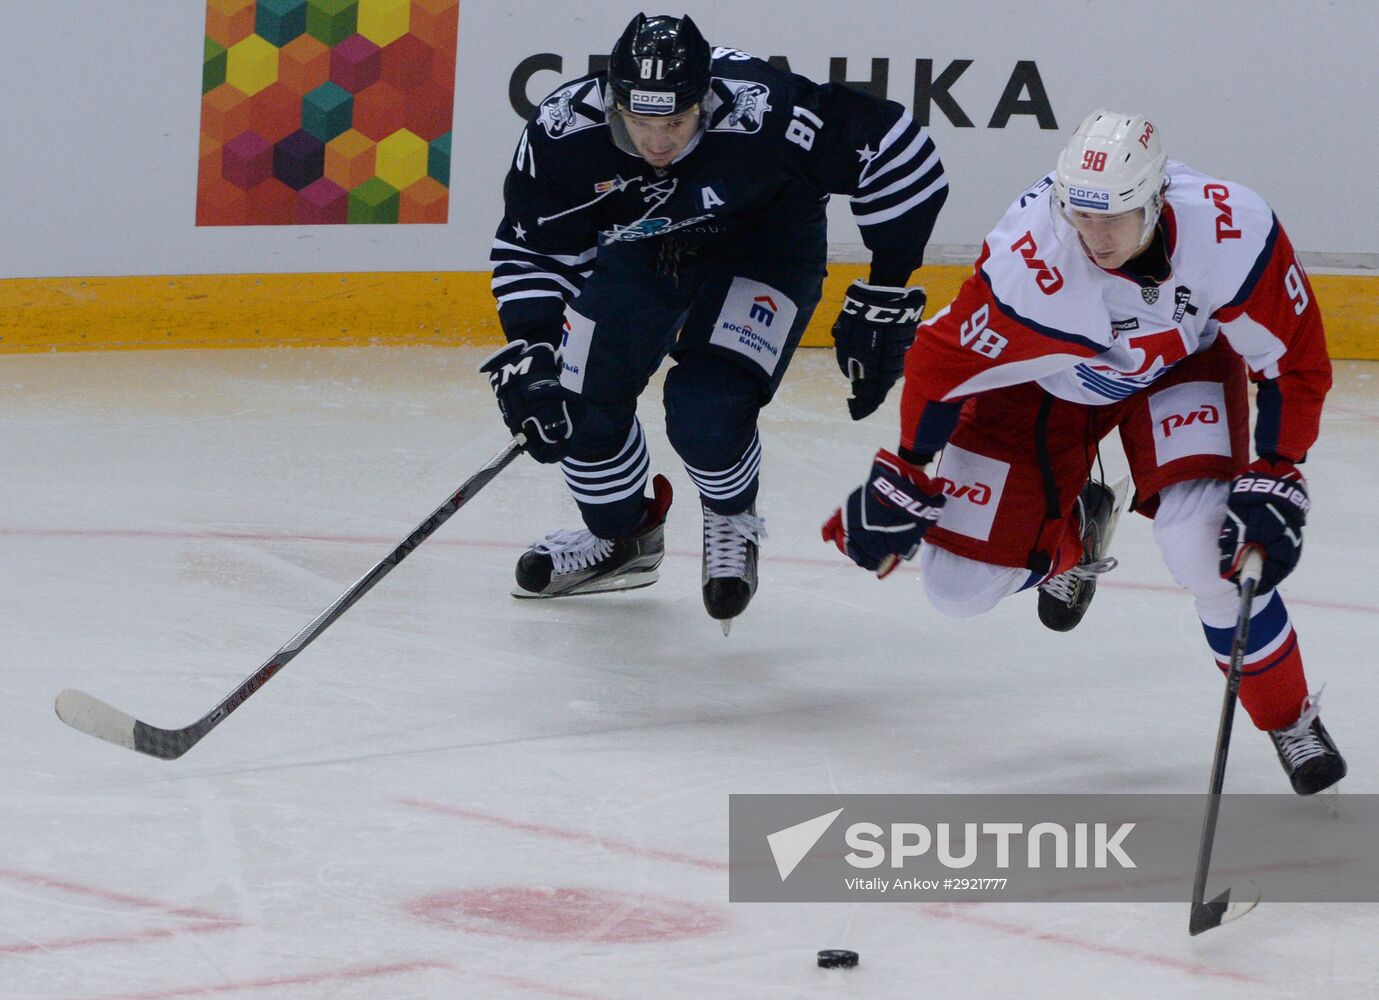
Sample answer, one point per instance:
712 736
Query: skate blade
624 581
1330 800
1120 489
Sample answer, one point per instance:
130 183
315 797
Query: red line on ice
305 979
133 937
124 899
196 921
620 846
1118 885
354 975
545 989
507 546
954 911
1350 411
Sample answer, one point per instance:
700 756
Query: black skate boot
1306 752
566 563
1065 598
730 562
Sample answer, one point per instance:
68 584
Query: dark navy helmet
660 66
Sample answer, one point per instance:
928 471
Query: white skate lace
726 537
573 550
1065 585
1298 742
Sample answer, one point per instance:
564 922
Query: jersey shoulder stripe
1261 264
1039 275
1223 229
1031 323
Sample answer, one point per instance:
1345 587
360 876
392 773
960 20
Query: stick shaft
1249 582
92 716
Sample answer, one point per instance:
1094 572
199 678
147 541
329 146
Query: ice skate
1309 757
567 563
1065 598
730 562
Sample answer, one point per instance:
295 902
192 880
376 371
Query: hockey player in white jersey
1120 293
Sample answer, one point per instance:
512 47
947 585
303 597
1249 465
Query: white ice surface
456 794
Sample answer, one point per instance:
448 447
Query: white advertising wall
100 116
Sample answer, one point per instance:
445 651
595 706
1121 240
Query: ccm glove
526 379
1266 508
871 335
883 521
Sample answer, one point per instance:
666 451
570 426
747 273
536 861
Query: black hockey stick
1237 900
94 717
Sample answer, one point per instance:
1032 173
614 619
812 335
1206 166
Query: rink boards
436 308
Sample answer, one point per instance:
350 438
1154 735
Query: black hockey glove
883 521
526 379
871 335
1267 508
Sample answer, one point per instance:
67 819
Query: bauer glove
1266 508
884 520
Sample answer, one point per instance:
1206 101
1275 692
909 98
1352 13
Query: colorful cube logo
326 111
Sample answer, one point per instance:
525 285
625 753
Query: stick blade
95 718
1232 904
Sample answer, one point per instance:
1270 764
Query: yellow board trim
445 308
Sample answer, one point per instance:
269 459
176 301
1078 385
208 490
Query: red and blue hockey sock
1272 682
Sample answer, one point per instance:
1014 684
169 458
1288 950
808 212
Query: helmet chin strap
1152 212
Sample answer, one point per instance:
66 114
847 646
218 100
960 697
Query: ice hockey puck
837 958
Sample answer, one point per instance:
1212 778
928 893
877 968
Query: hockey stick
94 717
1237 900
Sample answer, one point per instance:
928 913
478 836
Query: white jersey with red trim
1038 309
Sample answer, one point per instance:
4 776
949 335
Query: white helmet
1114 163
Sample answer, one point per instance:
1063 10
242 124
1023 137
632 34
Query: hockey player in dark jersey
675 206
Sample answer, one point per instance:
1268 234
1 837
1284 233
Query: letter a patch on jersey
709 199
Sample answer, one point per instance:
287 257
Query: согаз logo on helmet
652 102
1089 198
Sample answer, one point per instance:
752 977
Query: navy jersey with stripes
773 145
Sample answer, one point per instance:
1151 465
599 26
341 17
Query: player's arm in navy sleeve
873 151
545 246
